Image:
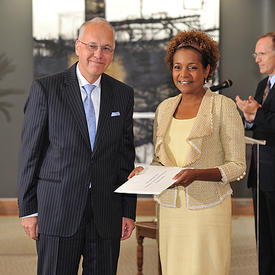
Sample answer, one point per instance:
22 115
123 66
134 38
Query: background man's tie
266 91
90 113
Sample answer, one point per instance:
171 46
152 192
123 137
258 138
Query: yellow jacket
216 140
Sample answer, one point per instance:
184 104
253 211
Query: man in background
259 114
77 148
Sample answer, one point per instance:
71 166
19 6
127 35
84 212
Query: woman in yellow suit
202 132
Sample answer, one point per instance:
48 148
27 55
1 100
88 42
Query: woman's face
188 71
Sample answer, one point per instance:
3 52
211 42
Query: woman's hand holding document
151 180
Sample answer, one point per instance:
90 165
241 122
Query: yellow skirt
195 242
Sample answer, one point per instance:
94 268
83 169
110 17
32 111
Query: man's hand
128 226
30 226
249 107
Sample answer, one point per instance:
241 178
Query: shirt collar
83 81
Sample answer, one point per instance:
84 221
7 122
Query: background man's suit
264 129
57 165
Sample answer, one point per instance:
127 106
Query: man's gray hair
269 34
95 20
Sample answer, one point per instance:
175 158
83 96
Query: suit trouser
266 230
61 255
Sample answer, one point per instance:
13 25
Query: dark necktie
266 91
90 113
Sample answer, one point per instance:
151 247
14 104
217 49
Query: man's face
93 62
265 55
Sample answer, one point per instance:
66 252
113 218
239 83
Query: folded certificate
152 180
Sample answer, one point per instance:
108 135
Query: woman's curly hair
196 40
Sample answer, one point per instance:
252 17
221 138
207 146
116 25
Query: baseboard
242 207
8 207
145 207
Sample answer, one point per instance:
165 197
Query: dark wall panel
15 79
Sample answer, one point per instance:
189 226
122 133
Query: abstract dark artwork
141 41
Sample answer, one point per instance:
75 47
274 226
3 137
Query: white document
152 180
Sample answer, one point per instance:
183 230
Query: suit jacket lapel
164 117
72 96
270 94
203 126
105 109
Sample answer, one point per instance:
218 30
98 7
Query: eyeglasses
92 47
261 54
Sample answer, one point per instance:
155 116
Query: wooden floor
18 256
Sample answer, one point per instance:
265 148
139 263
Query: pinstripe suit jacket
56 164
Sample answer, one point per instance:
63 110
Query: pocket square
115 114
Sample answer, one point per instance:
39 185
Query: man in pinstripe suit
66 184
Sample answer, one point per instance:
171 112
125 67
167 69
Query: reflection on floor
17 252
